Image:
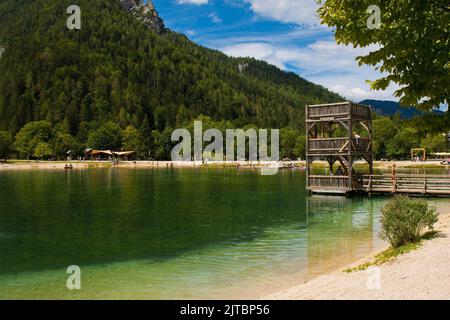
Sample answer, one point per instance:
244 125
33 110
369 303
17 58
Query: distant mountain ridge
389 108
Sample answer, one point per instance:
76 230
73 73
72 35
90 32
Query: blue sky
286 33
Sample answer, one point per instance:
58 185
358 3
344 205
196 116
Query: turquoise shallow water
169 234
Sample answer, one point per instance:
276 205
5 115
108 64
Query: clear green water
170 234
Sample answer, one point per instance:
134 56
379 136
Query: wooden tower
338 133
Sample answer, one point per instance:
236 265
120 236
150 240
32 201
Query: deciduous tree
31 135
107 137
412 44
6 144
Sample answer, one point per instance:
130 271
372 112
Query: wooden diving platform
340 134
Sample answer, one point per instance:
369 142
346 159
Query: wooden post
425 188
369 125
308 165
369 187
350 149
394 178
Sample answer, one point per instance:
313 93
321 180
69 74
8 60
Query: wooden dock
412 184
426 185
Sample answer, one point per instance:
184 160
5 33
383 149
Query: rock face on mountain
146 12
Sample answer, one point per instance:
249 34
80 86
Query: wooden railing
360 111
337 145
331 110
338 110
329 182
431 185
412 184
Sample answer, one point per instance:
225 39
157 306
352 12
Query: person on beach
357 137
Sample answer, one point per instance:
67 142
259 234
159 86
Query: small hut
107 155
124 155
99 155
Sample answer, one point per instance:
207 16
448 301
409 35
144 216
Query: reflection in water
354 232
172 233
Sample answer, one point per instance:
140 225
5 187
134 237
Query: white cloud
307 49
260 51
196 2
190 33
303 12
215 18
322 62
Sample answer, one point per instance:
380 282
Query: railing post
394 178
394 189
369 187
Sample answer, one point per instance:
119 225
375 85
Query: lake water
172 233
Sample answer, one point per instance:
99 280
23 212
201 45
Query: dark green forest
116 84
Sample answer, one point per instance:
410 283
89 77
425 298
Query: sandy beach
60 165
29 165
419 275
53 165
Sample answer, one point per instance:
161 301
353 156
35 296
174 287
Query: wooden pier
342 133
424 185
412 184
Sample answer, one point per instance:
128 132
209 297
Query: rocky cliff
145 12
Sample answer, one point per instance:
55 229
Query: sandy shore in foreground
422 274
29 165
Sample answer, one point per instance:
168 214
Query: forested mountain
123 69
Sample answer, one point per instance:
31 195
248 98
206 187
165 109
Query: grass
426 166
392 253
99 165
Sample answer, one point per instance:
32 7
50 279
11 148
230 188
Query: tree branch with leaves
413 45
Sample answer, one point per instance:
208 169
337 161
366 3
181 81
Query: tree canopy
107 137
413 44
6 144
31 136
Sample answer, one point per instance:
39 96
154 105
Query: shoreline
421 274
83 165
33 165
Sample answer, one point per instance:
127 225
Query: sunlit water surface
173 234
